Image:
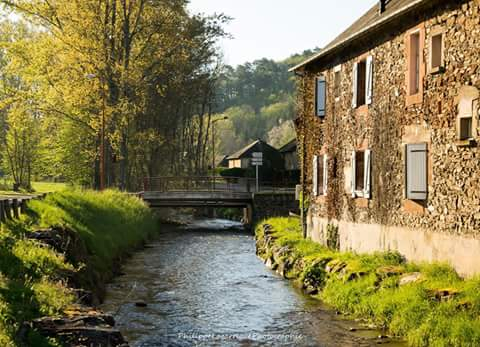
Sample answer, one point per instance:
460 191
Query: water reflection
204 286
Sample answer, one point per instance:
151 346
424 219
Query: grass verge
427 304
32 281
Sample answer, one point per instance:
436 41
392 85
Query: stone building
388 133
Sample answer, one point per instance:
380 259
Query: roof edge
352 37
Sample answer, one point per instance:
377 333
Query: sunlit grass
31 284
363 290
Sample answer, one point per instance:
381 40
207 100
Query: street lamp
102 133
213 146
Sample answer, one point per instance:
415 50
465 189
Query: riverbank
427 304
61 254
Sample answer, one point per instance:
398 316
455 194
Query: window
320 175
416 171
337 82
436 53
414 63
361 168
362 82
415 69
466 132
321 96
468 112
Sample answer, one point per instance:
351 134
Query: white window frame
316 189
367 165
368 81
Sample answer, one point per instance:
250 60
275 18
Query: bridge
215 192
198 191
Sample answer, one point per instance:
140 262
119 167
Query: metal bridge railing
199 184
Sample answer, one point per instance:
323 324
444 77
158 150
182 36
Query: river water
203 286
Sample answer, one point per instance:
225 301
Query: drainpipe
302 211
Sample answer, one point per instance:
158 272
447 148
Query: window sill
437 70
466 143
413 206
361 202
414 99
361 110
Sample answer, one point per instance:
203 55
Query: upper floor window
415 64
337 81
362 82
321 96
436 51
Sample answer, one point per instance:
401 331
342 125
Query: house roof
365 25
238 154
248 149
290 146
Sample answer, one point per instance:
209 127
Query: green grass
31 276
48 187
368 288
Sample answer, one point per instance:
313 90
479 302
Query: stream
202 285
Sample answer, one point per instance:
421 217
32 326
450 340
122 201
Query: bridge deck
197 199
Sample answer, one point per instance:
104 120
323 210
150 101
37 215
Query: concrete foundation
415 244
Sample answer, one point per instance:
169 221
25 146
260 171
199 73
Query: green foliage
258 99
31 274
233 172
367 287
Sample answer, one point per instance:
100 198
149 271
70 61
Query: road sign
257 155
257 162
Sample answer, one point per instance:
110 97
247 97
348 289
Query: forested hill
258 99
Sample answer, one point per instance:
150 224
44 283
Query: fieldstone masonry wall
275 204
453 204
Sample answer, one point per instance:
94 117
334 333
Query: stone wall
453 203
274 204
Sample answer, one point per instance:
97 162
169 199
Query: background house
290 160
272 159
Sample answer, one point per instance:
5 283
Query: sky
276 29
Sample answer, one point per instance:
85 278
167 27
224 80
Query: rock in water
80 327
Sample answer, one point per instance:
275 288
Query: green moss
441 309
31 274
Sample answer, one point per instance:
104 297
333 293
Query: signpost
257 160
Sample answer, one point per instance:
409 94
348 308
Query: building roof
365 25
290 146
247 149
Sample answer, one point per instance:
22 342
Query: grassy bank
32 277
428 304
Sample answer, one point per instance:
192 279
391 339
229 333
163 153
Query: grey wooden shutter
354 85
353 178
325 174
367 176
315 175
321 96
416 171
369 83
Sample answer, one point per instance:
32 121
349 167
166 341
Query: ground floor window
416 182
361 165
320 175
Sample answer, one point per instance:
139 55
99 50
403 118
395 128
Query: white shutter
368 165
353 175
369 86
325 174
354 85
416 171
315 175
